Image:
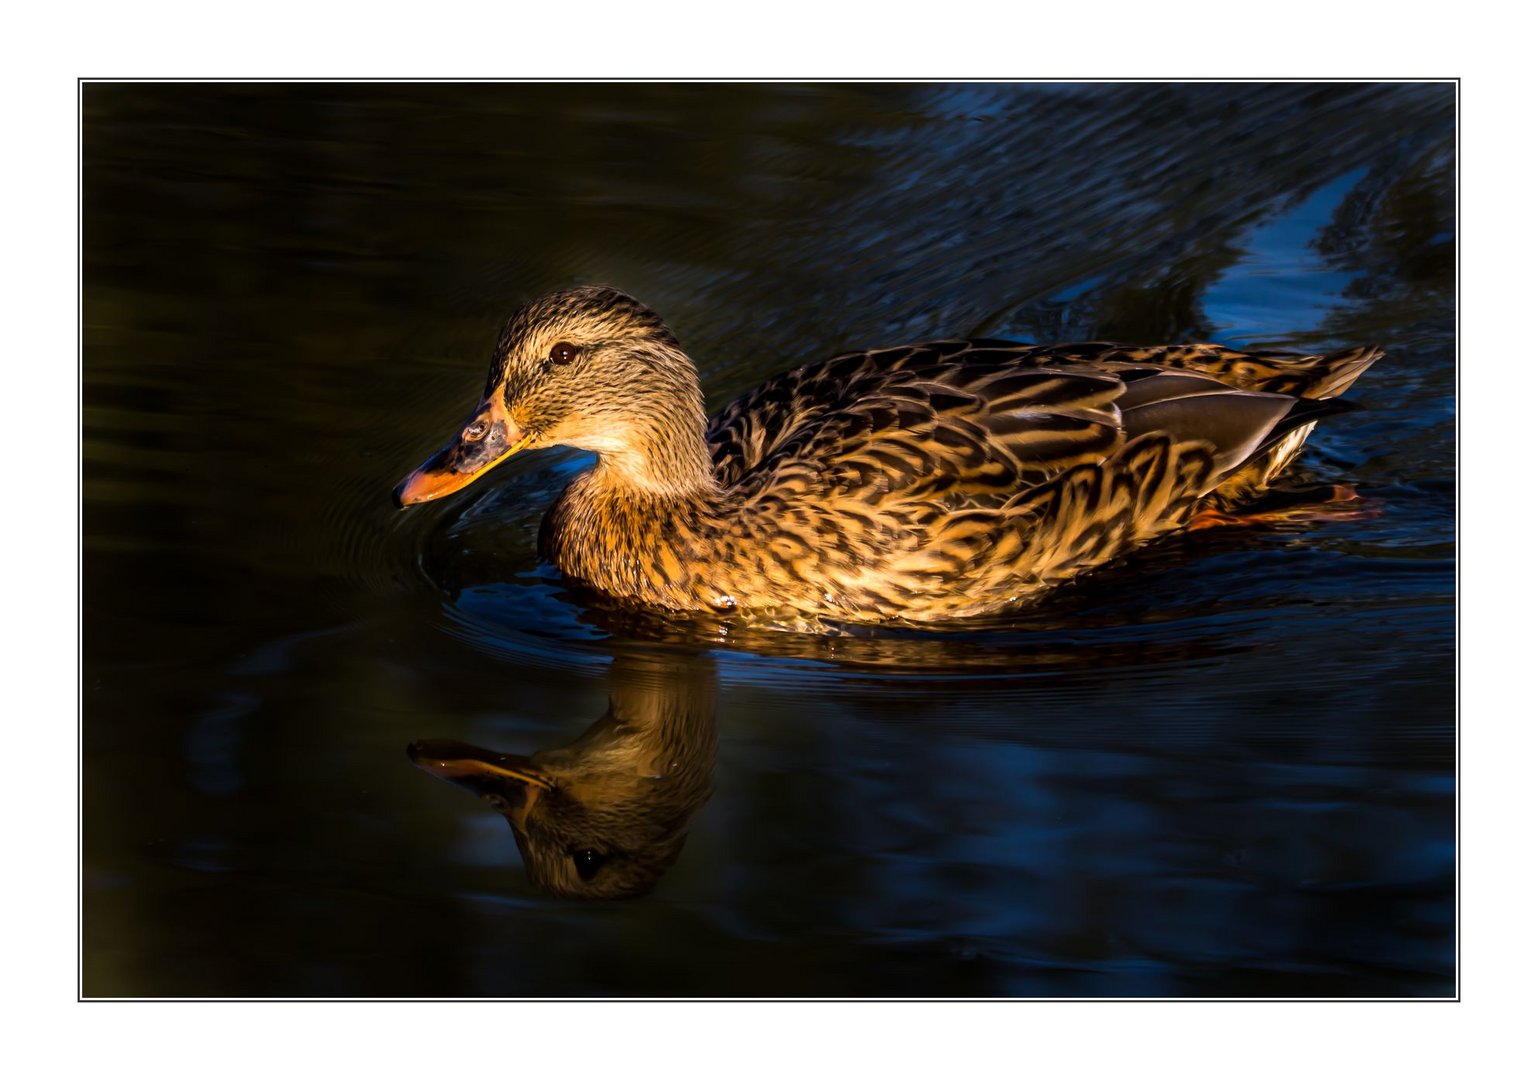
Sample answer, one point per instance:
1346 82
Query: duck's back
1042 407
948 476
980 415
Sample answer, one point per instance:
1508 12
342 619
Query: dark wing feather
1272 371
1198 407
866 394
974 418
757 425
967 437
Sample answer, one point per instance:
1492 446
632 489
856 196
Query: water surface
1223 766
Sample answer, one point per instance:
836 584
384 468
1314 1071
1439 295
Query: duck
909 484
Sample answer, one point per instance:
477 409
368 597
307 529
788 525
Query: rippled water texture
1221 767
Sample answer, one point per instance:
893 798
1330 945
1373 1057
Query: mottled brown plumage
918 483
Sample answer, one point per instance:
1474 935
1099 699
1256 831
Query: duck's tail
1333 373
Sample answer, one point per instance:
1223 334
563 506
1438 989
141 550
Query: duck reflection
604 816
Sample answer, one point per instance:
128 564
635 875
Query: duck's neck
639 524
662 458
653 445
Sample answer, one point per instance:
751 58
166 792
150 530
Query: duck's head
590 368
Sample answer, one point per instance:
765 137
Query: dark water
1224 766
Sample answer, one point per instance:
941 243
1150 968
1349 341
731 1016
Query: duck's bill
475 767
487 439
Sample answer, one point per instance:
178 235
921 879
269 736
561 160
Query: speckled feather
917 483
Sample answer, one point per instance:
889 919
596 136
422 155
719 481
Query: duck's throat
658 465
628 535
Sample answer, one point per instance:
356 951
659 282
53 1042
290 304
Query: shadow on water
1223 765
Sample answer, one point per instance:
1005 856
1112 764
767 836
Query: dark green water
1222 767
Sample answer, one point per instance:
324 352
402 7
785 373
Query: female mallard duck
916 483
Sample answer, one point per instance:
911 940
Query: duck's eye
588 861
563 352
476 431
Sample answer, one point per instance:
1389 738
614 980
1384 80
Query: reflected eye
563 352
588 861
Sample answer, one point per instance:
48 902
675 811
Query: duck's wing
976 422
754 428
961 435
912 379
1318 376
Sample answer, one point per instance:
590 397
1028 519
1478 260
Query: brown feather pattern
918 483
